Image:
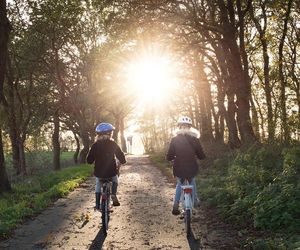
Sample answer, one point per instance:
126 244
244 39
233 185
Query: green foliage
277 206
260 188
35 194
280 243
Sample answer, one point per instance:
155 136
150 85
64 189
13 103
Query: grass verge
36 193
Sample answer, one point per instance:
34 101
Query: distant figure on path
129 139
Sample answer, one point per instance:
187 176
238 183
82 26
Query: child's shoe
97 206
197 203
175 210
115 200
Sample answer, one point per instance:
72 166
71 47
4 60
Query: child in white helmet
184 149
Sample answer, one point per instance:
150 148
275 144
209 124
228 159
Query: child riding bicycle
104 153
183 150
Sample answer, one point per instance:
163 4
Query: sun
152 77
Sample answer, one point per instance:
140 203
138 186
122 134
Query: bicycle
105 202
187 201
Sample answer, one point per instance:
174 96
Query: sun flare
152 78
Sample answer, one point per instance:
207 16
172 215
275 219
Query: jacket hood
188 131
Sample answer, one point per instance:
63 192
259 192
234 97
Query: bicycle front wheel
188 222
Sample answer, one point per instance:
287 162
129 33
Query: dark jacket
103 153
184 149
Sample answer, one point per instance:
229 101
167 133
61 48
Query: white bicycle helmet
185 120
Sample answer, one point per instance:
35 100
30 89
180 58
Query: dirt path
143 221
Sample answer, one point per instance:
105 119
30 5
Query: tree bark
233 140
116 131
22 156
4 34
225 62
86 143
13 125
242 90
14 139
255 121
226 88
75 156
284 122
55 142
123 140
239 83
221 113
267 88
4 182
204 103
5 29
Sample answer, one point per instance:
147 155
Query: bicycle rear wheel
105 215
187 219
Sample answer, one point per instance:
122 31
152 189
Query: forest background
234 68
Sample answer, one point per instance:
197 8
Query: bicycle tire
105 215
188 222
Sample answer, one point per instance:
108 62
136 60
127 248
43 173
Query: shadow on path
97 243
194 243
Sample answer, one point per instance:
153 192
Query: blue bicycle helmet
104 127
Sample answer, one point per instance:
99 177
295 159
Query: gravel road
143 221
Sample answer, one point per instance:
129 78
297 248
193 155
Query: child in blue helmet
104 153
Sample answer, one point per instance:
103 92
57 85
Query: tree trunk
243 90
238 84
4 182
14 139
55 142
13 124
225 86
207 135
116 131
255 121
75 156
123 140
22 156
196 99
4 34
261 115
267 88
264 42
233 140
221 114
86 144
230 87
284 122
